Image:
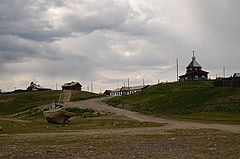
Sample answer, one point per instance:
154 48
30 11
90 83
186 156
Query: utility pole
143 82
91 87
88 88
128 83
177 68
56 86
224 71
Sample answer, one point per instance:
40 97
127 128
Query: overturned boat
55 113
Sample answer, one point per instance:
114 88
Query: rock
1 128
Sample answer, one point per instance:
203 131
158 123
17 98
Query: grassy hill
17 102
188 100
82 95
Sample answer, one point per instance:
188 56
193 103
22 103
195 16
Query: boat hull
58 116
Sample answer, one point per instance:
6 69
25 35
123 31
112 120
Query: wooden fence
227 82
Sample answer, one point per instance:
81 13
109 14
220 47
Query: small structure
233 81
127 90
34 87
116 92
236 75
194 72
72 86
55 113
107 92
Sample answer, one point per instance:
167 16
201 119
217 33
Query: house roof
36 86
194 63
71 84
236 75
116 90
107 91
133 88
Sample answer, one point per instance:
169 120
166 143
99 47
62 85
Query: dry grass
176 144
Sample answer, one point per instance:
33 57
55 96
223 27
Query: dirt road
96 104
66 96
176 139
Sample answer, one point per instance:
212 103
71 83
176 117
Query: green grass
80 111
17 102
189 100
40 125
81 95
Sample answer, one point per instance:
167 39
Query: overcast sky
108 41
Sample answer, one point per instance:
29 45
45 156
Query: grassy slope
34 121
39 124
193 100
81 95
23 101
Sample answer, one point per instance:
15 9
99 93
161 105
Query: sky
105 42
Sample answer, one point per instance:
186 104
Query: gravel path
66 96
96 104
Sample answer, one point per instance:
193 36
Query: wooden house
107 92
194 72
36 87
72 86
128 90
236 75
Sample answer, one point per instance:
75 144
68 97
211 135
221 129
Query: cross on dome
193 57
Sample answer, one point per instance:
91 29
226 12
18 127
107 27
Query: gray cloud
111 40
16 49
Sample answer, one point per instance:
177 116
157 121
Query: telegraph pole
177 68
224 71
88 88
91 87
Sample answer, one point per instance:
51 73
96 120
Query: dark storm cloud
15 49
34 20
22 18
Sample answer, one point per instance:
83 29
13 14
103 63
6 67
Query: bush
84 112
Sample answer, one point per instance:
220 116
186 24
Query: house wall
116 94
120 93
72 88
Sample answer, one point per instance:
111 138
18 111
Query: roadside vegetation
185 100
82 95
